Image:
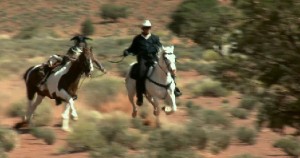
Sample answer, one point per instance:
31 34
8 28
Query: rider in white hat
145 46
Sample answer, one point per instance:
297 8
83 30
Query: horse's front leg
155 103
68 108
171 100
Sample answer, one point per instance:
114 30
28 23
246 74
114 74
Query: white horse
159 83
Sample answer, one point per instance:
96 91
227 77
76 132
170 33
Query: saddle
134 72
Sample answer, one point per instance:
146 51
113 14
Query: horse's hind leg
130 85
32 106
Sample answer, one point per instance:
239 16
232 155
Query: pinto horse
159 83
61 85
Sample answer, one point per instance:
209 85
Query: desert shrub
246 135
2 152
205 68
176 154
113 12
198 136
46 134
98 92
120 124
107 136
132 139
43 115
164 142
289 145
213 118
85 137
192 108
208 87
17 109
87 27
8 139
138 123
219 140
210 55
245 156
27 32
239 113
248 102
112 150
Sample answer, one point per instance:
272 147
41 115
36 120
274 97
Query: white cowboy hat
146 23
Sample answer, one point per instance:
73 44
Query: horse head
85 59
168 59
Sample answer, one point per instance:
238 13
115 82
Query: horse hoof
134 114
66 129
168 110
75 118
20 125
156 112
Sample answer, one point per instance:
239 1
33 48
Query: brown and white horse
61 85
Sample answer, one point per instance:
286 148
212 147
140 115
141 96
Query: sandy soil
29 146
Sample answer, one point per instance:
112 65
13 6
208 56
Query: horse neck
75 70
159 73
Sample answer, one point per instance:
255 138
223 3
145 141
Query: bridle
167 62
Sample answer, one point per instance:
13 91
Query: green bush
186 153
248 102
239 113
111 150
120 124
208 87
113 12
198 136
245 156
46 134
137 123
27 33
164 142
85 137
8 139
43 115
2 152
210 55
99 92
192 108
214 118
133 139
220 139
289 145
87 27
246 135
17 109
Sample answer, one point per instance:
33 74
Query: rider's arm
133 49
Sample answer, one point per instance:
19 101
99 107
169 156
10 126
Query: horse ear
163 47
172 48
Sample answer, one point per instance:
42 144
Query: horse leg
171 100
68 108
130 85
155 103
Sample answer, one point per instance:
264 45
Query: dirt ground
29 147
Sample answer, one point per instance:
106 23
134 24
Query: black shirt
145 48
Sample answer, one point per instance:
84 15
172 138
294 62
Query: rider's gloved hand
125 53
